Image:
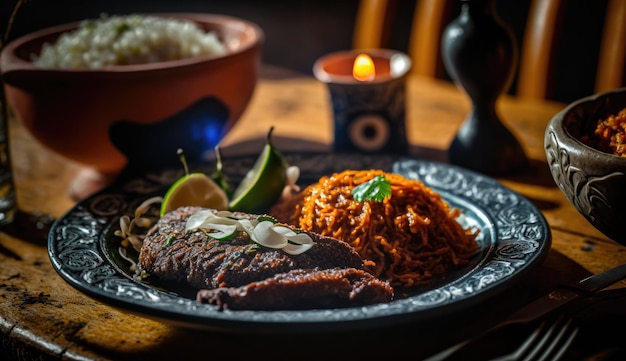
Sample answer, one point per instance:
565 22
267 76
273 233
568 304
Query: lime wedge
194 189
264 183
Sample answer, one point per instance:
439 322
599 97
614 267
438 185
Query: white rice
131 39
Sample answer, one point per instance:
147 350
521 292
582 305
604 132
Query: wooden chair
535 77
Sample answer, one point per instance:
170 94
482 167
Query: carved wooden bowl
594 181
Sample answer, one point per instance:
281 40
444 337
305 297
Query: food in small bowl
135 94
127 40
583 149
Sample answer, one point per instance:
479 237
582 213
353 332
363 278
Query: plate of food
323 257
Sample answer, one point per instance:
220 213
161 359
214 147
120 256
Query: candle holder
368 109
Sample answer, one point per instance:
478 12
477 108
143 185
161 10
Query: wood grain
43 317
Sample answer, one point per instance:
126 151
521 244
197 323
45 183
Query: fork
580 295
549 341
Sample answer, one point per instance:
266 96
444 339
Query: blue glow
207 131
196 129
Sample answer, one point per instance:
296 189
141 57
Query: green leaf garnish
376 189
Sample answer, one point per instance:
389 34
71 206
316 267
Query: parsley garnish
376 189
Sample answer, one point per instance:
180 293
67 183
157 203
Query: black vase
480 53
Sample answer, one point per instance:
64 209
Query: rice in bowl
125 40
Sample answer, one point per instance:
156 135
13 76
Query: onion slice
262 230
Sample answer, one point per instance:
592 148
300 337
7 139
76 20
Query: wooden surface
43 317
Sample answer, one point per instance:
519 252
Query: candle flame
363 69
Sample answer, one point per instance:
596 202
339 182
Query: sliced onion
222 231
124 224
143 222
292 173
296 249
300 238
263 230
264 234
227 214
247 226
284 230
145 206
196 220
302 243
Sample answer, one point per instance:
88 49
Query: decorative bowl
120 116
594 181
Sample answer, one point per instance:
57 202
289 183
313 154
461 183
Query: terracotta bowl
135 115
594 181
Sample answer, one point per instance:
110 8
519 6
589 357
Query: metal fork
549 341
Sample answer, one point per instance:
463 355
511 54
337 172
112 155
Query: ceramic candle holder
369 114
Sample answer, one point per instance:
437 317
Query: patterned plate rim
516 238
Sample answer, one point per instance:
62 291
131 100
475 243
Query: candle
363 68
367 92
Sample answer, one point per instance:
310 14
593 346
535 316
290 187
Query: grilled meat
303 289
238 273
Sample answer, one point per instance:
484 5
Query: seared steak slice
205 263
303 289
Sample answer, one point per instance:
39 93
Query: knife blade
602 280
541 307
567 293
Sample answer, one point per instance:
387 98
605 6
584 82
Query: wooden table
43 317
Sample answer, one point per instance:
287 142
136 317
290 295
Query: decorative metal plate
514 237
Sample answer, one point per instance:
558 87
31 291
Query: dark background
298 32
